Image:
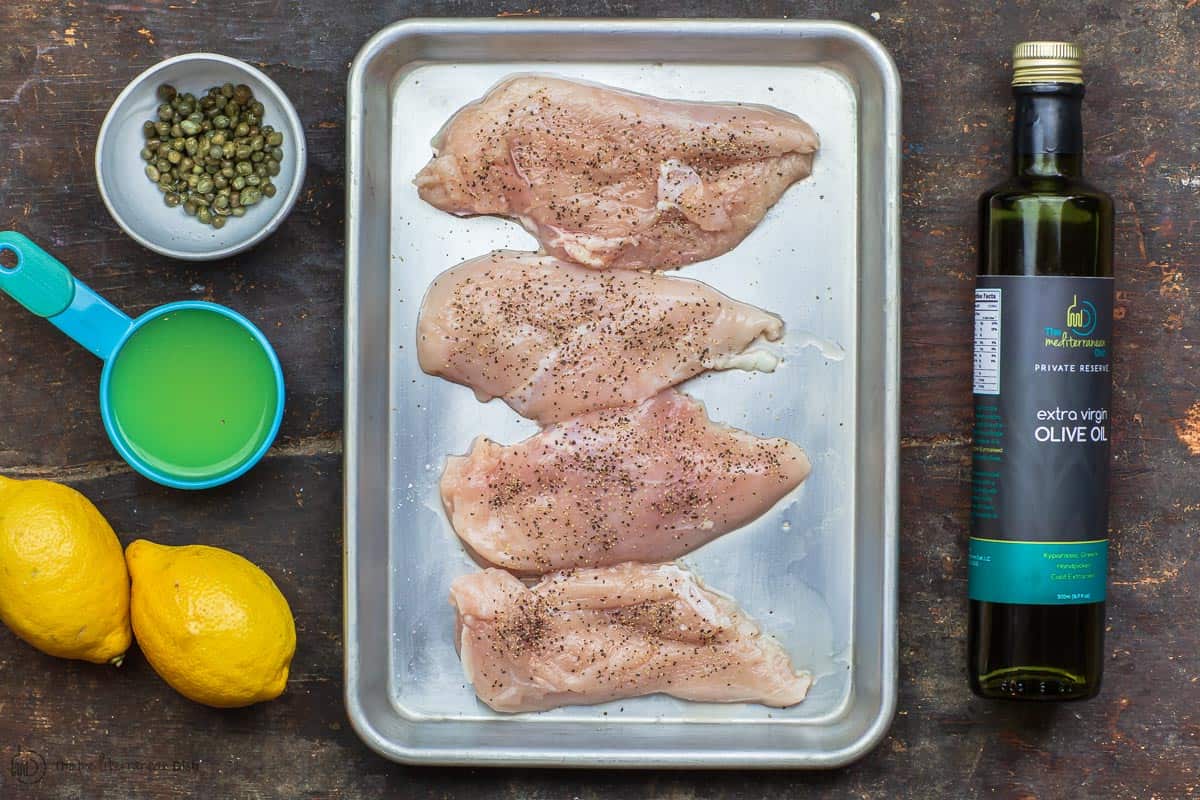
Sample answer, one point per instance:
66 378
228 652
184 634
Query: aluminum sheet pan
818 571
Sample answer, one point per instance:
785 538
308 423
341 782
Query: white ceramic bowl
137 204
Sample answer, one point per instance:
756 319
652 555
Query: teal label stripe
1037 573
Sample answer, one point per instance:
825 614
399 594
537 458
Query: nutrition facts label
987 341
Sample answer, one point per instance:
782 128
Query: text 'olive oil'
1038 559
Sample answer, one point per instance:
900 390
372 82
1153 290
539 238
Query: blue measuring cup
191 394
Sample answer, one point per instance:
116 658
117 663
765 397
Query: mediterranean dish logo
1081 317
1081 321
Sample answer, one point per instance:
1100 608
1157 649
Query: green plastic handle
39 281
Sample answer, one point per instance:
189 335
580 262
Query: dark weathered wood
63 62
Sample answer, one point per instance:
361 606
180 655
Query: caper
209 154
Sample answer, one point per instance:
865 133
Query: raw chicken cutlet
609 178
555 340
644 483
594 635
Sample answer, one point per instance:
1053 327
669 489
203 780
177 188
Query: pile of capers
212 155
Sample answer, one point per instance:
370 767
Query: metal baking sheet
818 571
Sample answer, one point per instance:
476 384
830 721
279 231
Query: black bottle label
1039 479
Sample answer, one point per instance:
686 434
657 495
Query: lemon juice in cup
191 394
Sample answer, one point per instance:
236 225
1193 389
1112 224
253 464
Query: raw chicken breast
555 340
642 483
594 635
609 178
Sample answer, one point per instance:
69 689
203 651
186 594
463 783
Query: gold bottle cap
1046 62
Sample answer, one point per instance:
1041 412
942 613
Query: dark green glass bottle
1039 521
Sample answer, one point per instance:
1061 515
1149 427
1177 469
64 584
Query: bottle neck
1048 131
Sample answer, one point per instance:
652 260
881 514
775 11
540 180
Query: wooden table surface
107 733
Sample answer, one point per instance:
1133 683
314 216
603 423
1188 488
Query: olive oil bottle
1038 561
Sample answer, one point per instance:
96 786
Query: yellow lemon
63 584
214 626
